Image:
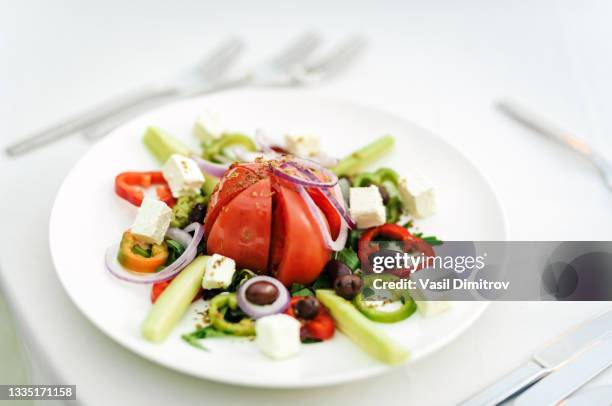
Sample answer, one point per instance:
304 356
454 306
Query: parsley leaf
194 337
175 249
349 257
431 240
297 289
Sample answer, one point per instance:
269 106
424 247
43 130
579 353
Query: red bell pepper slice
129 185
367 247
320 328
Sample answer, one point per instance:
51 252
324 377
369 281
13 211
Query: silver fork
538 124
204 73
288 69
272 72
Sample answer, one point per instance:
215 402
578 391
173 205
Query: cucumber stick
172 304
361 330
162 145
356 161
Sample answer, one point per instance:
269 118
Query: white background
441 64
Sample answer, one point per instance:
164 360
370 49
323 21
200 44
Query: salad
273 236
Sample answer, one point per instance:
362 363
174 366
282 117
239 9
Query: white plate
88 216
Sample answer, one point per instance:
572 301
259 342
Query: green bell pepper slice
406 310
218 306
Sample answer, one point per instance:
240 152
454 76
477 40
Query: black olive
262 293
384 194
335 268
197 214
306 308
347 286
210 293
234 315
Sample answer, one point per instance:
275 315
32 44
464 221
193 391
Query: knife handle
508 385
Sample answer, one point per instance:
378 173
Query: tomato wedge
235 181
332 216
304 253
242 228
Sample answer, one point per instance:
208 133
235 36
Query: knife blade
555 387
548 358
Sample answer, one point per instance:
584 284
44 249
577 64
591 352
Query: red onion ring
337 202
340 241
115 268
210 168
313 181
257 311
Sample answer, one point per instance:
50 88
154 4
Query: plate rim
348 376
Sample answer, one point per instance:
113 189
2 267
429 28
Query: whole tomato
259 220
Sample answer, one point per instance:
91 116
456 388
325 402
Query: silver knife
540 125
557 386
545 360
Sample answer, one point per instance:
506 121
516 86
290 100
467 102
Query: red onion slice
210 168
334 245
282 172
181 236
115 268
337 202
257 311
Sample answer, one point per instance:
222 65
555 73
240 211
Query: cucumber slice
162 145
361 330
172 304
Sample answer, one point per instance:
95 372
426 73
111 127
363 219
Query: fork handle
102 127
88 117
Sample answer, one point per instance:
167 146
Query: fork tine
221 58
297 51
339 57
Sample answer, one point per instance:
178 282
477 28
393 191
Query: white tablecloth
441 64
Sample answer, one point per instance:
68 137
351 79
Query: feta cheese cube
366 206
183 175
278 336
417 194
219 272
430 308
302 145
152 221
208 126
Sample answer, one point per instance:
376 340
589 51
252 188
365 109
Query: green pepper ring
406 310
218 306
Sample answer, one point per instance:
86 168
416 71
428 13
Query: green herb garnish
394 209
175 250
143 252
349 257
297 289
194 337
431 240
